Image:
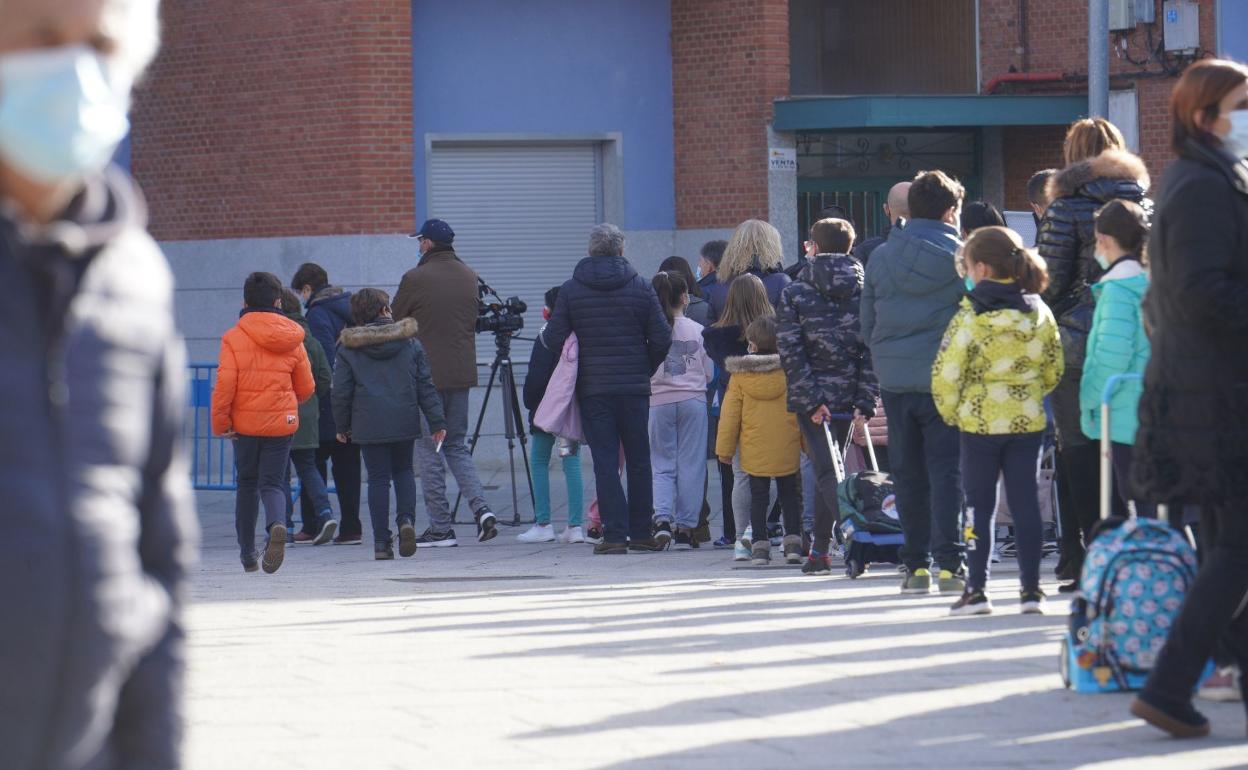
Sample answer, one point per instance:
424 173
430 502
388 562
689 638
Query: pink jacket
559 413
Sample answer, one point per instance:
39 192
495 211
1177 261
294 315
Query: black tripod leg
476 433
514 422
524 440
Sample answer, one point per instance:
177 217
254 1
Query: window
843 47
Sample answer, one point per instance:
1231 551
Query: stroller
869 529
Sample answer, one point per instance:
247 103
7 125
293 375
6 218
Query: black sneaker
610 549
250 564
407 540
1031 602
973 602
684 540
385 552
431 539
487 525
817 565
593 535
662 534
1068 588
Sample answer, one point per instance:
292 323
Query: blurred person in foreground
99 515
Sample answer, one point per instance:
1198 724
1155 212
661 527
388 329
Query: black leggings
789 491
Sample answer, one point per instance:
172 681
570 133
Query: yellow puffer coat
755 417
995 366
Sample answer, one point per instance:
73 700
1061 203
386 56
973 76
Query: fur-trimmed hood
753 363
1111 166
380 340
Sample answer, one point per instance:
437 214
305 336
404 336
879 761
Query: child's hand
344 438
726 460
230 434
821 415
439 437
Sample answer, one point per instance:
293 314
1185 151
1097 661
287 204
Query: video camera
499 316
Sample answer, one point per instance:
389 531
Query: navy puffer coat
1067 239
620 328
328 313
774 282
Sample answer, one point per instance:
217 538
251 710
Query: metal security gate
522 212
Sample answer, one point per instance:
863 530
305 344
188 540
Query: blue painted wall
552 67
1233 29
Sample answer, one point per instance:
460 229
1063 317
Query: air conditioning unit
1180 25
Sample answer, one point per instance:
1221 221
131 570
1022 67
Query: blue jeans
541 447
387 464
261 463
311 487
612 422
678 457
984 459
923 452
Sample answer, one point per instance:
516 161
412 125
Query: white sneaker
572 535
740 552
538 533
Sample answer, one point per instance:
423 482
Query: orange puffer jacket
262 377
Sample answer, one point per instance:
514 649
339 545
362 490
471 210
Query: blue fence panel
212 457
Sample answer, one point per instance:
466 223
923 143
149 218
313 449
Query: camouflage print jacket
824 355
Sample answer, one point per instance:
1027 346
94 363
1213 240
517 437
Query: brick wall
278 119
1026 150
730 61
1057 41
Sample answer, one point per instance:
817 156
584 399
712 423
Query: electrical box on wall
1180 25
1121 15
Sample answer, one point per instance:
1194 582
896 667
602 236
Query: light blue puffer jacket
1116 345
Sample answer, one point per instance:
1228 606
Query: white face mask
1237 140
1102 260
62 111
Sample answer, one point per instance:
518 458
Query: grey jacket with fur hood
382 382
1067 239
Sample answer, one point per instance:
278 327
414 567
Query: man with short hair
441 294
328 312
708 262
623 338
912 290
896 212
95 490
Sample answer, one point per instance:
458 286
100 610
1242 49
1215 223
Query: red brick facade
291 118
730 62
1056 41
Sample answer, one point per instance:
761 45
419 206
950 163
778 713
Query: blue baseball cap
435 230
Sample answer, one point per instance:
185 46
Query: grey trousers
455 455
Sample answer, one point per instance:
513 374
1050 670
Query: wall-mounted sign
782 159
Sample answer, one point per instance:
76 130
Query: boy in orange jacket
262 377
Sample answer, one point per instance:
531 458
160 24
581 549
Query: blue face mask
1101 260
1237 140
697 272
62 112
969 283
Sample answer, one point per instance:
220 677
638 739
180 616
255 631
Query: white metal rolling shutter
521 215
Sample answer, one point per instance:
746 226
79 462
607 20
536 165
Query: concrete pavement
544 656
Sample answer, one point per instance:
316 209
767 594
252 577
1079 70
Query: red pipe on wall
1023 77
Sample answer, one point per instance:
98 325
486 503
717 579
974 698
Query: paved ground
506 655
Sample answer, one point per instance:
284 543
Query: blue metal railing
212 457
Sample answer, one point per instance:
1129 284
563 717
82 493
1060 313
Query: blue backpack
1134 579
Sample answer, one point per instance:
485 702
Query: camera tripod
501 371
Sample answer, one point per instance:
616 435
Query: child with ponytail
1117 343
678 420
999 358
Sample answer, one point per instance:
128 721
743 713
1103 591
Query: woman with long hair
746 301
1192 442
1098 170
754 249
